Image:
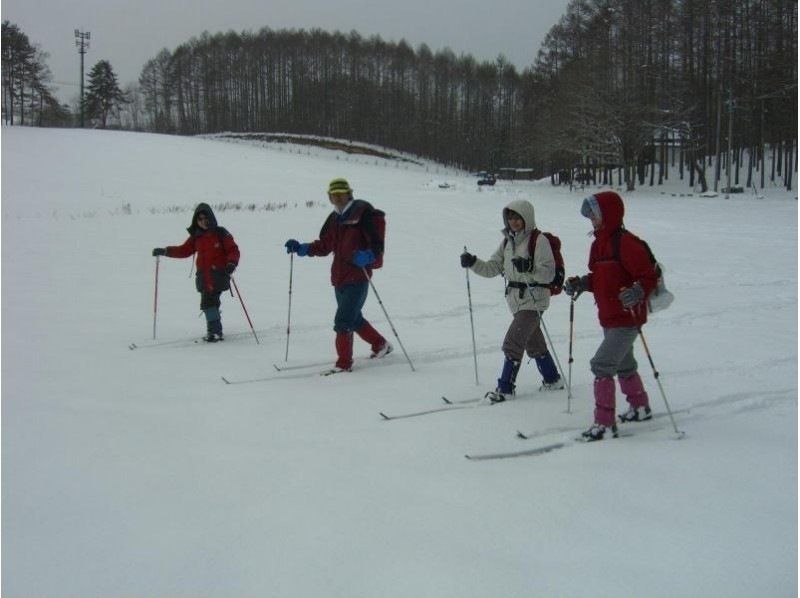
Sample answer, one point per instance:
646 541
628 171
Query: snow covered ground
141 473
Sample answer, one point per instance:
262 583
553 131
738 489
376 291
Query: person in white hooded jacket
527 294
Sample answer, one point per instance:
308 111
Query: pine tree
103 94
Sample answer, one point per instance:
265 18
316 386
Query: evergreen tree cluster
28 97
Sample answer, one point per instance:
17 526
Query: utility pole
82 42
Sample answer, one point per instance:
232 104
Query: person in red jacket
353 232
217 258
621 277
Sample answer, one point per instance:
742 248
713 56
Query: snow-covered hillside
130 473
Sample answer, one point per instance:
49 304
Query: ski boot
636 414
596 432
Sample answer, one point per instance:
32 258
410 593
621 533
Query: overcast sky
127 33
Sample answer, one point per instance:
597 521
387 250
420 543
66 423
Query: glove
576 285
230 268
159 251
522 264
467 260
632 295
293 246
363 257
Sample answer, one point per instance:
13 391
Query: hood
525 209
611 208
202 207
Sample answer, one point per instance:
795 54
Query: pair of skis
568 436
308 370
188 342
449 405
573 437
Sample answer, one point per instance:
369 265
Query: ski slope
130 473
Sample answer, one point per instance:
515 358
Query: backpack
557 284
660 299
372 223
374 226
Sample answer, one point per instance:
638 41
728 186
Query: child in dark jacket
217 258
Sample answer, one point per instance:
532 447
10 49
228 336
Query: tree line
27 95
626 83
619 88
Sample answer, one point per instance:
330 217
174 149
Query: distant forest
618 86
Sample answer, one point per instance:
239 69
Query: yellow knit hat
339 186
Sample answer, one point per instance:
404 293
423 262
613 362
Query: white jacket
516 245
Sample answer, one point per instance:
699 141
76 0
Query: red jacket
343 235
215 249
609 274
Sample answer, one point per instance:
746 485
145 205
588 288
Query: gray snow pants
524 334
614 356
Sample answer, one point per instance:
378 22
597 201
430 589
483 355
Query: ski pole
552 348
289 318
472 324
388 319
571 331
555 355
238 294
656 375
155 298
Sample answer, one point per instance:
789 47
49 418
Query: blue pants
350 298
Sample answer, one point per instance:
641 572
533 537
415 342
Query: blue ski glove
159 251
363 258
293 246
468 260
632 295
230 268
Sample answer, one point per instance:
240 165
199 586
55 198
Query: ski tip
132 346
384 416
276 367
225 380
446 400
522 436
